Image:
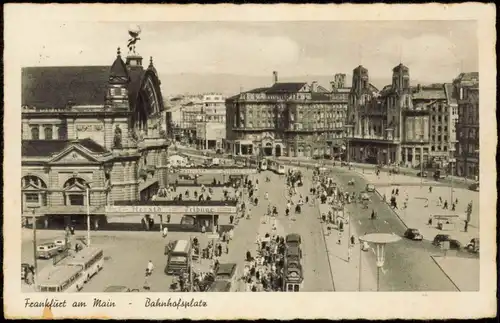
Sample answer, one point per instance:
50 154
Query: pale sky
435 51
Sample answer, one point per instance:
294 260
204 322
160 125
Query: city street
408 264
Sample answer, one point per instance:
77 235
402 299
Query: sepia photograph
192 156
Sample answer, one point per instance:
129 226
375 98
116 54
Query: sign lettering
216 171
165 209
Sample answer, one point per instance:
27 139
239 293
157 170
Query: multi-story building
211 125
191 111
291 119
401 124
91 136
467 152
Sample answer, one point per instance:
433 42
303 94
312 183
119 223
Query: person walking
149 271
466 225
445 205
165 232
349 253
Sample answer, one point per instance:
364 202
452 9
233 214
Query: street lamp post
421 164
35 262
379 240
87 192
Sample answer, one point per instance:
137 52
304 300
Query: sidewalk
463 272
345 273
416 215
402 170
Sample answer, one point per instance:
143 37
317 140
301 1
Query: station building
91 135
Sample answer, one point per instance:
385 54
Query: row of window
47 131
471 149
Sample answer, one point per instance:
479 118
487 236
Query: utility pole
35 263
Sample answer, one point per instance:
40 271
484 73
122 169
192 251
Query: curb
444 272
326 247
392 210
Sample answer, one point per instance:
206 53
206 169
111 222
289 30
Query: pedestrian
340 237
445 205
397 191
453 207
165 231
353 240
219 249
426 203
392 193
231 219
429 222
266 196
349 254
149 271
466 226
430 189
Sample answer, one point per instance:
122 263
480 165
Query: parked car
370 188
439 175
473 245
119 289
422 174
440 238
413 234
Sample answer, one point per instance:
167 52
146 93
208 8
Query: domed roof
360 68
400 67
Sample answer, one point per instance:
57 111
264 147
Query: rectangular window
31 197
76 199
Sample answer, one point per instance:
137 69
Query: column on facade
413 155
406 155
422 154
55 134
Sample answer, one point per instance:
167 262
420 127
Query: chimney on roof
275 77
314 86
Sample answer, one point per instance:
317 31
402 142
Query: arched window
35 133
48 132
75 191
34 192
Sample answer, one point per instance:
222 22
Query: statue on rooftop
134 32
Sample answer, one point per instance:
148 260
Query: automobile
119 289
440 238
422 174
62 244
473 245
439 175
413 234
47 250
344 163
474 187
370 188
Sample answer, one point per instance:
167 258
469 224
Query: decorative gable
73 154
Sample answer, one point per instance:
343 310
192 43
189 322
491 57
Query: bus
293 278
58 279
90 259
263 164
179 257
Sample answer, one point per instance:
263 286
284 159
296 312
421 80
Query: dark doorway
277 151
268 149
